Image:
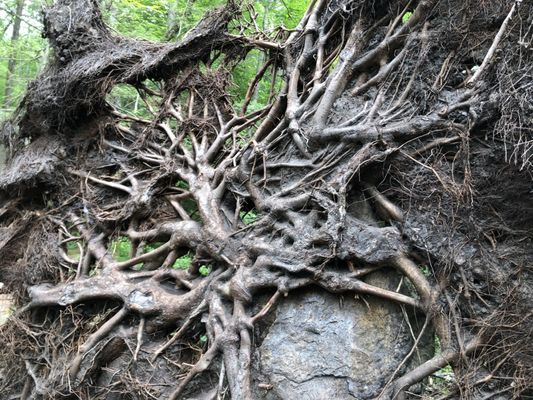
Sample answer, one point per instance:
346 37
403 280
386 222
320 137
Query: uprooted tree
399 144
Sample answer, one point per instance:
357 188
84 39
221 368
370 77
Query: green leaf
73 251
120 248
248 217
406 17
152 246
138 267
182 185
184 262
204 270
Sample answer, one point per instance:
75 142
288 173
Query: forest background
23 51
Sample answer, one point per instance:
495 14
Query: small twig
389 208
101 181
426 369
92 340
408 356
203 363
139 338
493 47
266 308
221 377
182 329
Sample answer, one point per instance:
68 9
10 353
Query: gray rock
324 346
2 157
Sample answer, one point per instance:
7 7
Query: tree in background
165 201
11 64
22 50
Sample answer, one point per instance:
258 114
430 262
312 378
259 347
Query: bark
385 154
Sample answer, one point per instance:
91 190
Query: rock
324 346
3 157
6 306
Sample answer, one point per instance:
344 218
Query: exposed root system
396 145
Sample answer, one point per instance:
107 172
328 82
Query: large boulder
326 346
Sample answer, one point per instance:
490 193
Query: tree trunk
12 62
367 229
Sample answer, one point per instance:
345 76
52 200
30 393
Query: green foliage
185 14
334 63
204 270
249 217
155 20
138 18
190 206
126 99
406 17
182 185
270 15
274 13
187 143
29 52
437 346
73 251
203 339
439 382
152 246
183 262
244 73
120 249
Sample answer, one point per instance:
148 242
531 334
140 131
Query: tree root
92 340
220 204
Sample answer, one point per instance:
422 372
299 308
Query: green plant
182 185
406 17
248 217
120 248
73 251
443 376
437 346
184 262
138 267
204 270
440 381
139 18
126 99
190 206
152 246
334 63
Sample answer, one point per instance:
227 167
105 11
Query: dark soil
402 147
